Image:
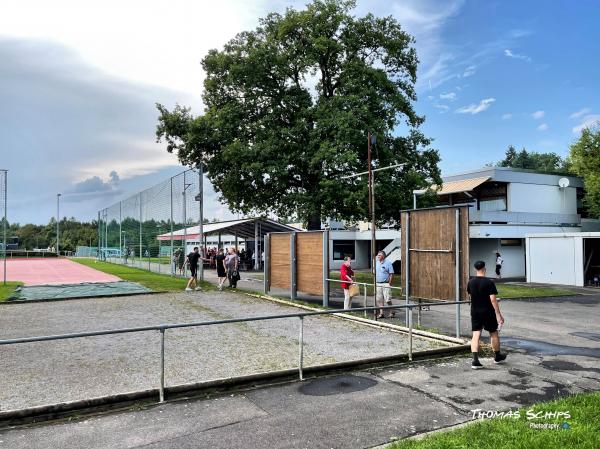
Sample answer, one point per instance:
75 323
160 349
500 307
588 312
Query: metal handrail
163 327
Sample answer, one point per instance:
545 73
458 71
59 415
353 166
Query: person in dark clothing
192 260
221 268
485 313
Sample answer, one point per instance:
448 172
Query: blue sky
78 83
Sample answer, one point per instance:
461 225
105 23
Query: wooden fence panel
279 260
432 252
309 262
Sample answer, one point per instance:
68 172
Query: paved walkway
554 351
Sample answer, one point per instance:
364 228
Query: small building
564 259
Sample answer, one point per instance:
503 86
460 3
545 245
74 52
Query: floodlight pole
4 221
200 199
58 195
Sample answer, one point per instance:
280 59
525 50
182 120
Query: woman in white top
499 261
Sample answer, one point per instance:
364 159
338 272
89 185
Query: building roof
519 175
465 185
244 228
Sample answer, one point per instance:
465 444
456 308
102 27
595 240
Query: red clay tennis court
54 271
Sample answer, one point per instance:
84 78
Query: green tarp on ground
78 290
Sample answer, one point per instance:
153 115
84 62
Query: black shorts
484 320
194 270
498 268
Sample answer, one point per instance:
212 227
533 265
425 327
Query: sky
79 81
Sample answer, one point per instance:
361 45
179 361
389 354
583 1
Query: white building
564 259
507 204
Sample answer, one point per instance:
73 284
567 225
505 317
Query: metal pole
140 230
301 348
105 231
293 281
414 200
325 268
4 239
121 230
406 261
184 226
365 299
201 220
161 390
57 223
372 212
256 254
173 264
267 262
99 235
410 332
457 271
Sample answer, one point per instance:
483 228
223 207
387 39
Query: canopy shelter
458 192
247 228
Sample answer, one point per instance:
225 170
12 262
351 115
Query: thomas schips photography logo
537 419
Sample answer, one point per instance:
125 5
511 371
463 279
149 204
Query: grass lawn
154 281
505 433
521 291
7 290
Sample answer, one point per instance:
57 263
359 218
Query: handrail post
301 348
162 366
410 333
365 299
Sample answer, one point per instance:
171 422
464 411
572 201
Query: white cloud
451 96
442 107
580 113
510 54
476 108
469 71
538 115
589 121
542 127
507 116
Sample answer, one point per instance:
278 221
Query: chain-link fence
150 229
4 212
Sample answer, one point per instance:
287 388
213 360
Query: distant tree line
73 233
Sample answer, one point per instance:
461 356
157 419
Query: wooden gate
437 255
298 262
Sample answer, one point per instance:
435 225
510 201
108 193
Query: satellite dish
563 182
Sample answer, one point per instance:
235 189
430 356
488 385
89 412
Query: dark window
343 248
510 242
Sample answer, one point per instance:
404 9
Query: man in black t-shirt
192 260
485 313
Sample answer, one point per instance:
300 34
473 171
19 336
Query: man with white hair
384 276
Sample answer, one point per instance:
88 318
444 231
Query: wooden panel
279 260
432 274
309 262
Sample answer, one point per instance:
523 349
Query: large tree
584 159
547 162
287 111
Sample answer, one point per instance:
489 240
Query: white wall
555 260
485 249
541 198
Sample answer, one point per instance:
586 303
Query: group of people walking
227 266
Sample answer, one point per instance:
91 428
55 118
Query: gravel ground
34 374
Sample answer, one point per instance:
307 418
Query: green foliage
288 107
6 291
581 430
546 162
584 158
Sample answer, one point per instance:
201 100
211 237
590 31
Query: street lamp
58 195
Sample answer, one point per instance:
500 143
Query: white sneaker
187 289
198 288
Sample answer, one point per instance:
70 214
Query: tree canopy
547 162
584 159
287 108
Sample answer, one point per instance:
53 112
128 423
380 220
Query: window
510 242
343 248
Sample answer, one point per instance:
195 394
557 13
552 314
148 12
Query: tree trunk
314 223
